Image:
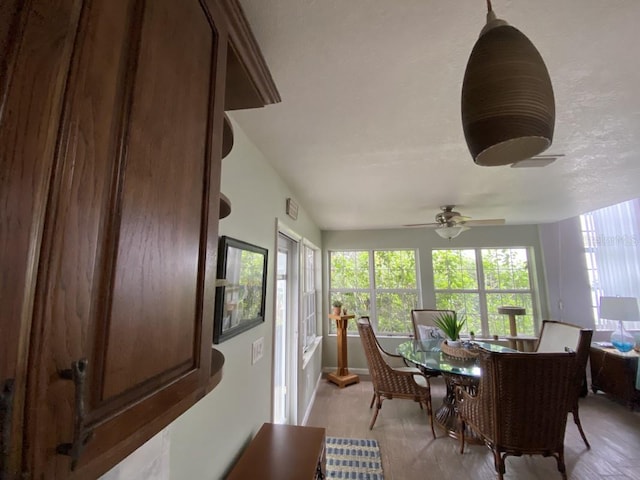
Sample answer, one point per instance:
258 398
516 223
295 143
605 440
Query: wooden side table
342 377
615 373
283 452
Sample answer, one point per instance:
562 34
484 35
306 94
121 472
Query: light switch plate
257 349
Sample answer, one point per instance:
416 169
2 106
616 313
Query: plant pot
337 311
454 343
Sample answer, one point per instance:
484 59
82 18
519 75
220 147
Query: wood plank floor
410 452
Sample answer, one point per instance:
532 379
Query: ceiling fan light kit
508 108
453 231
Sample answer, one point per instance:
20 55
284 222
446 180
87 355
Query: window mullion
534 296
482 294
372 291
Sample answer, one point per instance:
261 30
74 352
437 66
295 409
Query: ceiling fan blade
420 225
460 219
488 221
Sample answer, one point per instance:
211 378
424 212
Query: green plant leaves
450 324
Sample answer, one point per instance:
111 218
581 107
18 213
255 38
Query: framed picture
242 280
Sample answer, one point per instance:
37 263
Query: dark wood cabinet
615 373
111 140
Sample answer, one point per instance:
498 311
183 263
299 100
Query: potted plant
337 306
451 325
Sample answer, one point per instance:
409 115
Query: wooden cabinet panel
126 248
162 195
111 126
34 63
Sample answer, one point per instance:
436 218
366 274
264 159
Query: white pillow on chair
428 332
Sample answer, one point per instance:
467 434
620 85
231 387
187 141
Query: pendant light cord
489 8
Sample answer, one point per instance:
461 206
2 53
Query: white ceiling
369 133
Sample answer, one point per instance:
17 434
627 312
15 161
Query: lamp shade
619 308
449 232
508 108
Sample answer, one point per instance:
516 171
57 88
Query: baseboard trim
305 419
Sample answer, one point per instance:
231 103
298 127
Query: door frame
293 353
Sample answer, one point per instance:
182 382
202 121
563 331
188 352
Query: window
611 238
309 296
590 241
379 283
478 281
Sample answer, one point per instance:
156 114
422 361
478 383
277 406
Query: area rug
353 458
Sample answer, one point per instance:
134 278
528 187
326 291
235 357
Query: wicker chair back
521 404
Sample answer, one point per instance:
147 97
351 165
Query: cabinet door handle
6 415
81 435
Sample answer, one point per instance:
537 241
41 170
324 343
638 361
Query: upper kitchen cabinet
111 137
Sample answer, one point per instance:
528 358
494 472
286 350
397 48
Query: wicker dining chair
521 405
557 336
389 382
425 317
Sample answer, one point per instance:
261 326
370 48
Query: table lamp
623 309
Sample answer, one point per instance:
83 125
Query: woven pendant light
508 110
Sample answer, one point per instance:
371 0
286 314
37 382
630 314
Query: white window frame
482 292
310 296
590 240
373 290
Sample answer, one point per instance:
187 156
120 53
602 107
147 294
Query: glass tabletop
427 354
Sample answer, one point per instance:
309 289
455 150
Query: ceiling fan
449 223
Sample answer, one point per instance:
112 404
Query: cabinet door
34 63
126 277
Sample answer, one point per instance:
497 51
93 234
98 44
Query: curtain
617 251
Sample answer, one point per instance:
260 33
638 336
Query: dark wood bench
283 452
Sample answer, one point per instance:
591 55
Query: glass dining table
465 372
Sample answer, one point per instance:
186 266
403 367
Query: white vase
453 343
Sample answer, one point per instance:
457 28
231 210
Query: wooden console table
615 373
283 452
342 377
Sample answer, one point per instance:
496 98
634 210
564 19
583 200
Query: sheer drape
617 251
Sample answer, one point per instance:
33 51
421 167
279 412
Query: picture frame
242 288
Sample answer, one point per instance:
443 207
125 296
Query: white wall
424 240
565 266
205 441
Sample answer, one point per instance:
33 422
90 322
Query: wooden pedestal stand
342 377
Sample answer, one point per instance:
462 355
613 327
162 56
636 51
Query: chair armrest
463 395
412 373
388 354
393 355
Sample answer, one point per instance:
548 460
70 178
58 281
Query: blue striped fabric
353 458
